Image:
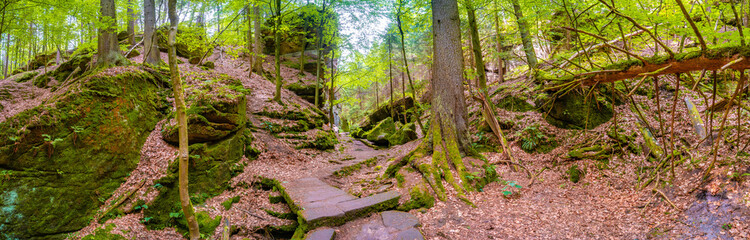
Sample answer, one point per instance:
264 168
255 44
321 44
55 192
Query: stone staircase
320 207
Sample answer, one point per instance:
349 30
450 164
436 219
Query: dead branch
600 45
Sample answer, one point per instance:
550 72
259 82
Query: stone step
320 204
392 225
324 233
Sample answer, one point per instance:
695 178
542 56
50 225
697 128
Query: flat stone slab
372 203
399 220
409 234
321 234
320 204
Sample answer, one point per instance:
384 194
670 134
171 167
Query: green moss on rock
324 140
211 167
515 104
52 189
104 233
419 199
573 111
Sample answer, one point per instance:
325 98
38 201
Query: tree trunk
152 55
258 62
523 27
448 130
201 22
331 88
477 48
108 48
277 50
7 54
319 38
417 113
249 37
390 74
179 101
500 60
131 23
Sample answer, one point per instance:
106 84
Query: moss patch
229 202
324 140
104 233
71 154
419 199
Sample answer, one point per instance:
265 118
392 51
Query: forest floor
606 203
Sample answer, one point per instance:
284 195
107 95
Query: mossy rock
515 104
68 156
405 134
64 71
208 65
211 117
324 140
210 168
133 53
379 134
400 108
419 199
26 77
190 42
574 174
307 92
104 233
573 111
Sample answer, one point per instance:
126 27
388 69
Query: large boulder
67 70
211 118
60 161
387 133
307 92
190 42
400 108
573 111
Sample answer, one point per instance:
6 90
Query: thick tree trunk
131 23
277 50
152 55
108 48
179 101
319 38
523 28
258 62
448 131
476 48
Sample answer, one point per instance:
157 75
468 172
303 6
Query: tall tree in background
131 23
179 101
399 23
258 62
523 28
108 48
149 38
277 47
499 38
249 42
476 47
322 20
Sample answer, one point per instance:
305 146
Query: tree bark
277 50
250 39
476 48
523 28
390 74
415 108
448 136
179 101
499 39
131 23
331 88
7 54
152 55
258 62
108 48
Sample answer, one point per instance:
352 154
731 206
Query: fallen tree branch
600 45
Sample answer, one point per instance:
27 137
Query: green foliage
228 203
532 139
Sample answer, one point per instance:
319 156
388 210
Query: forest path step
386 225
320 204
